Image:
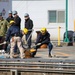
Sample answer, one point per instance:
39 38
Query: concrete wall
38 11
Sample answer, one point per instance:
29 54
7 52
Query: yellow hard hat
32 50
12 21
43 30
25 30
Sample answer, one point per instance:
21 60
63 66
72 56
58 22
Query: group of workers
10 32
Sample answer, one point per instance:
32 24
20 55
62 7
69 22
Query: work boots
50 55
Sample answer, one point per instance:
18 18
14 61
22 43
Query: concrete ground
58 53
64 52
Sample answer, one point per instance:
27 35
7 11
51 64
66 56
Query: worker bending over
13 35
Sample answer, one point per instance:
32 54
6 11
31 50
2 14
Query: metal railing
63 67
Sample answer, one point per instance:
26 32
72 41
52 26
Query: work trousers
29 40
50 46
1 41
16 40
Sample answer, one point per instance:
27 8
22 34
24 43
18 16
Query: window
52 17
61 16
56 16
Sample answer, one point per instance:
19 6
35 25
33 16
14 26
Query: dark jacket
17 21
13 29
29 24
43 39
10 18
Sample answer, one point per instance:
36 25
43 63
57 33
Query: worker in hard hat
14 34
10 17
17 19
32 51
24 32
3 29
29 26
44 38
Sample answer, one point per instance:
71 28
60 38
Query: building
5 6
47 13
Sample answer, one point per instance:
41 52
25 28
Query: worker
44 38
10 17
17 19
24 32
3 29
29 26
14 33
31 51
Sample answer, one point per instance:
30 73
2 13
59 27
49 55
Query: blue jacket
13 29
43 39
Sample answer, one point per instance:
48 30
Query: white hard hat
10 12
14 12
26 15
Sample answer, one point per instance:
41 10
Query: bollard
74 25
15 72
59 36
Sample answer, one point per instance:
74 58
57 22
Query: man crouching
44 38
